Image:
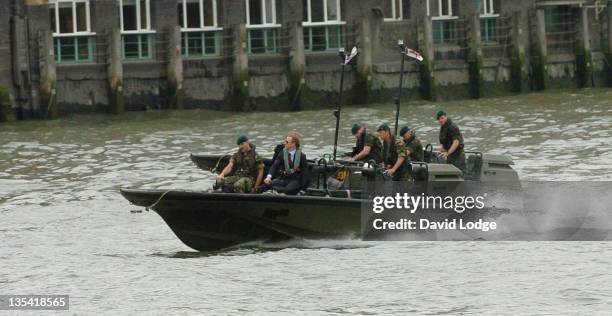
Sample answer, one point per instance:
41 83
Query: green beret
404 130
439 114
383 126
241 139
355 128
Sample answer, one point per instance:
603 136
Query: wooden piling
297 66
518 67
115 73
175 69
49 108
426 68
475 56
240 73
539 58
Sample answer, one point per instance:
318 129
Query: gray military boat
207 221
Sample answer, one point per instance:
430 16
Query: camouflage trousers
236 184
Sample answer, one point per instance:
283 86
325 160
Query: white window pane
143 15
209 13
193 13
270 11
445 8
180 13
490 7
129 15
52 18
65 17
81 12
255 12
398 9
316 10
332 10
305 10
388 8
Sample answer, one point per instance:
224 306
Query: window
322 25
558 18
444 19
488 21
137 35
441 9
72 36
394 10
487 8
200 35
560 25
262 27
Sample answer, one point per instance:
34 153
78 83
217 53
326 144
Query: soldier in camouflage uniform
451 142
367 147
414 148
394 155
247 167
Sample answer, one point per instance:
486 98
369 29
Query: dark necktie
290 160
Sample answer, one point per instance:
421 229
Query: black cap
439 114
355 128
383 126
404 130
241 139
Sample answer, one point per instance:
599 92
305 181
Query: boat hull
212 221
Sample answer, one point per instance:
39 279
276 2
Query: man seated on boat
291 166
414 148
451 142
247 167
397 168
368 146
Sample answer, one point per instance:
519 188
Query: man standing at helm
451 142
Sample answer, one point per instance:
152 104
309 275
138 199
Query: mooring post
240 73
5 104
175 69
115 72
540 52
426 68
363 82
48 107
297 66
475 56
584 63
518 66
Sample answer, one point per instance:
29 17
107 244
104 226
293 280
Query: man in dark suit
292 167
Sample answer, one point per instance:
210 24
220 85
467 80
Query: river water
65 229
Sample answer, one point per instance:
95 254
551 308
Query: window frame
139 30
488 9
263 17
326 24
441 16
202 30
488 20
214 27
266 28
396 16
76 35
325 15
57 30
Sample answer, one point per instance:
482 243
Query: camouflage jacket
247 164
